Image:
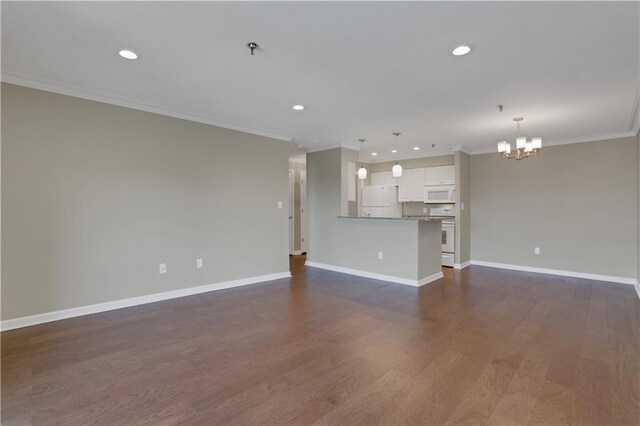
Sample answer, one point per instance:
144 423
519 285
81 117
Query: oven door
439 194
448 237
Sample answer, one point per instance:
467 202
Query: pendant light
396 170
362 172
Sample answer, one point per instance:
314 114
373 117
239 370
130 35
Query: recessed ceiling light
394 151
298 107
128 54
416 148
374 153
461 50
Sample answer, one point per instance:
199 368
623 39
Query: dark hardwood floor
480 346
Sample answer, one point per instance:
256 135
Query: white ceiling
360 69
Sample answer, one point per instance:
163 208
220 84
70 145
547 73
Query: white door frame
303 211
292 219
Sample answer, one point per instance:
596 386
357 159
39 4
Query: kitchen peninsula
401 250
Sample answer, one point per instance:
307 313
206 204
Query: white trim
298 160
461 265
92 95
134 301
565 141
461 148
331 146
637 286
430 278
375 276
583 275
297 252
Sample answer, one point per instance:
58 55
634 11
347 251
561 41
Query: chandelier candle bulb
537 143
528 147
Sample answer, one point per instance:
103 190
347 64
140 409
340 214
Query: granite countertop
405 218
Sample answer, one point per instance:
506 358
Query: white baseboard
637 286
597 277
461 265
133 301
430 278
375 276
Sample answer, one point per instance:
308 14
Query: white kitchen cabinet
404 186
417 184
449 175
411 185
383 178
440 175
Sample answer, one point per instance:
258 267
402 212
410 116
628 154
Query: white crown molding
92 95
461 148
375 276
562 273
566 141
331 146
11 324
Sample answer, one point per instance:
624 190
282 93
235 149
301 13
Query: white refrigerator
380 201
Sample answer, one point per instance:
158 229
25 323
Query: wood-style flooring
480 346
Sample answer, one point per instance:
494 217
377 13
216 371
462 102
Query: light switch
199 263
461 206
380 255
280 205
163 268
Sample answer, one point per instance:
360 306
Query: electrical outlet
199 263
536 250
461 206
163 268
279 205
379 255
424 210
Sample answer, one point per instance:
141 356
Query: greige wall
577 202
463 215
95 196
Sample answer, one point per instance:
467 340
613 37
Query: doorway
292 223
297 206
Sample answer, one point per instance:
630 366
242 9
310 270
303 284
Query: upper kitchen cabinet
417 184
410 185
404 186
383 178
441 175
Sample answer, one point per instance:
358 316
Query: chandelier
524 148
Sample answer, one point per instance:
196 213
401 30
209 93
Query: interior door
292 247
303 211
